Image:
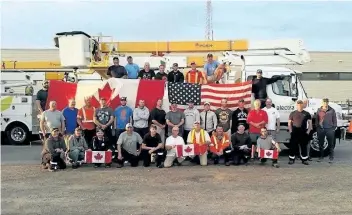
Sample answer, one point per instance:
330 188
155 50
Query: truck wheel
314 146
17 134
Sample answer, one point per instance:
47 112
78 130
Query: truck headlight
339 116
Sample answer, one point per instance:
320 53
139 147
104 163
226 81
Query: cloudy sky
322 25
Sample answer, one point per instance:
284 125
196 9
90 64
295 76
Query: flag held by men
271 154
98 157
190 150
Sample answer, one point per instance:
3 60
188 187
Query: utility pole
209 22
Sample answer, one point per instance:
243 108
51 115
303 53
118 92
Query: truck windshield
285 87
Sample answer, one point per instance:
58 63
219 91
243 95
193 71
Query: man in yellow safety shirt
201 137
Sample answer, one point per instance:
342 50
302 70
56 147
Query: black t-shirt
239 117
42 96
150 141
117 71
300 119
158 115
146 75
175 77
161 76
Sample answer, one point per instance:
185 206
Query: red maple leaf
98 157
188 149
268 153
106 93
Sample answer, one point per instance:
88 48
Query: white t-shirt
273 115
172 141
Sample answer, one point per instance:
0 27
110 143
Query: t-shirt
158 115
265 143
70 119
256 117
103 115
175 118
224 118
86 115
300 119
123 115
53 119
130 142
146 75
161 76
172 141
151 141
211 67
42 96
239 117
191 115
117 71
273 115
132 70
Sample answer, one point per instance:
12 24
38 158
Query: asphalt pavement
319 188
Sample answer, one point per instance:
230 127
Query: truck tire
314 146
17 134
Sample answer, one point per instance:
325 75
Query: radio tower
209 22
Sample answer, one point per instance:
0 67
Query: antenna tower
209 21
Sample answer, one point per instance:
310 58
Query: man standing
191 116
53 154
299 126
70 115
140 119
152 146
131 68
201 137
123 115
175 75
116 70
42 96
129 147
326 124
158 118
50 119
104 118
195 76
273 126
85 120
170 145
259 86
241 145
146 73
175 118
211 65
161 75
224 115
257 119
208 119
77 146
220 141
239 116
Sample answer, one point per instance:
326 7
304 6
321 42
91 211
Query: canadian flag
98 156
272 154
190 150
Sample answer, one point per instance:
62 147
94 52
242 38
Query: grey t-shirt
103 114
191 115
52 119
175 118
266 143
224 118
130 142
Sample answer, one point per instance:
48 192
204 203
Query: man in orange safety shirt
85 121
195 76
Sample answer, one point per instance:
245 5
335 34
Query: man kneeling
101 143
77 148
152 147
267 143
128 146
53 155
220 145
171 143
241 144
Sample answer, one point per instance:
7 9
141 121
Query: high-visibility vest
218 145
85 120
201 137
195 77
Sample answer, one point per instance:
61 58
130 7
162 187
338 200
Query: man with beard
241 145
104 118
239 116
42 96
53 154
116 70
175 75
219 142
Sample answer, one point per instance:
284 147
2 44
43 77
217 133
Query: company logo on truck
285 107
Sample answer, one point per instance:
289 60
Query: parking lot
320 188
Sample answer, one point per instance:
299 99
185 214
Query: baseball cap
325 100
210 55
192 63
129 125
78 129
129 57
123 98
190 101
54 129
99 130
196 122
206 103
299 102
175 64
241 100
259 71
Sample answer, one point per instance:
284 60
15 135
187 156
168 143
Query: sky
323 25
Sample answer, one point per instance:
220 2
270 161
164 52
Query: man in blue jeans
123 115
326 123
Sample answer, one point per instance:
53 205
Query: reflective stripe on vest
84 115
201 136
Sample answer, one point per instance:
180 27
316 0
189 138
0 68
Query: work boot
216 161
119 165
320 159
331 160
74 165
276 165
227 163
291 162
305 163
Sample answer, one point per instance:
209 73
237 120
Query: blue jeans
329 133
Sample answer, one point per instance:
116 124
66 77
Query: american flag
182 93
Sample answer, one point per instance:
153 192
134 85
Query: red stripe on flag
108 157
275 154
179 149
200 149
88 156
262 153
61 92
150 91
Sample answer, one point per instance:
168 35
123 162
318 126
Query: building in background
328 75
